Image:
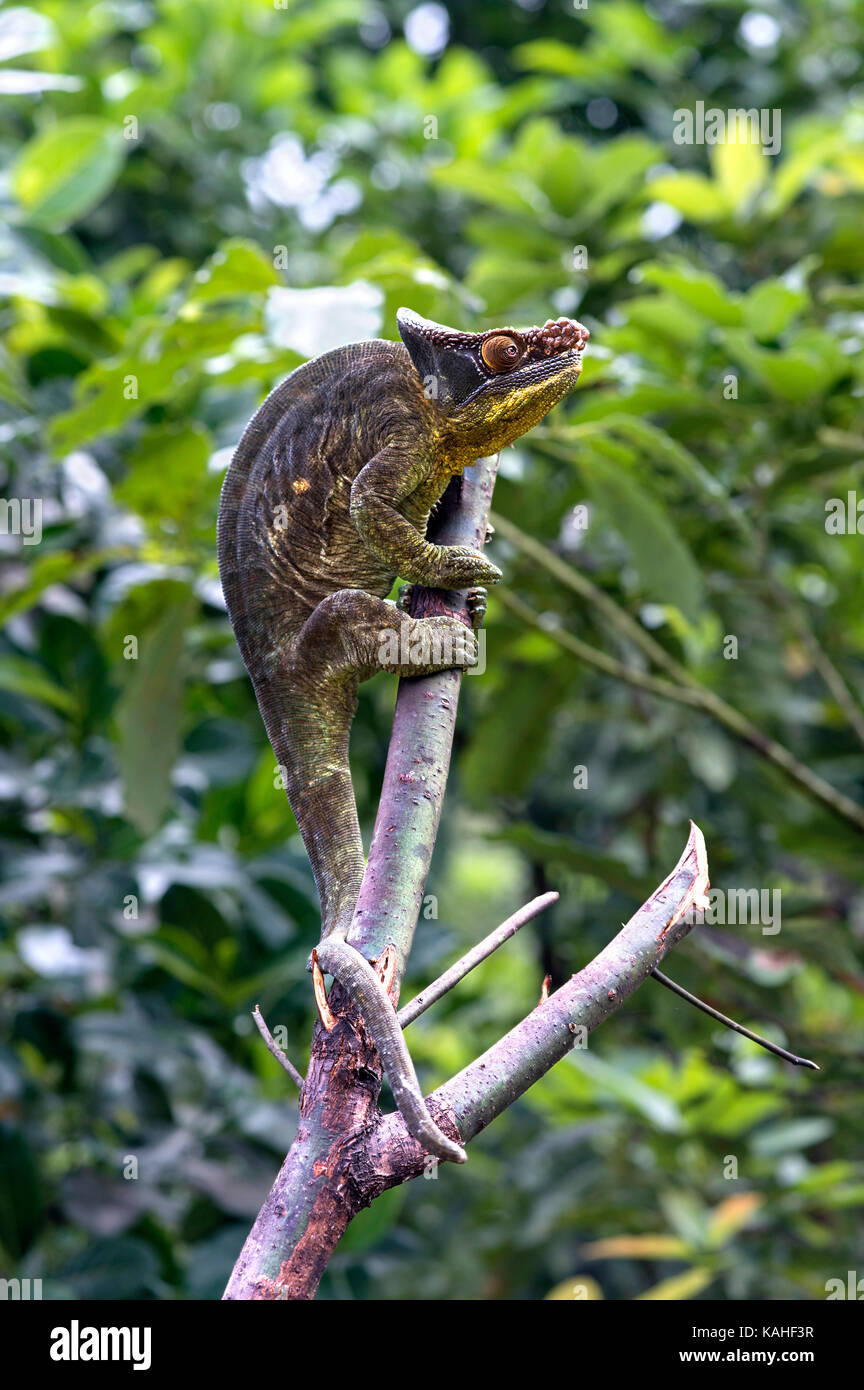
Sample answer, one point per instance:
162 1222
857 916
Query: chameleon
325 503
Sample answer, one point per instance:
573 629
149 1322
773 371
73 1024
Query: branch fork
346 1152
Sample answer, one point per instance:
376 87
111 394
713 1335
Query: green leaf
238 268
697 198
665 317
617 169
64 172
633 35
150 717
770 307
110 393
24 678
168 478
649 1102
551 55
740 168
668 572
48 570
680 1286
21 1201
687 1215
791 1137
701 290
804 369
517 193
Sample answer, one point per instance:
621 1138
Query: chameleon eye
501 354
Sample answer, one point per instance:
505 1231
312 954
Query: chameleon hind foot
476 602
352 633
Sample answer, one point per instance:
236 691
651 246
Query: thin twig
687 692
730 1023
559 444
822 662
432 993
275 1050
574 579
593 656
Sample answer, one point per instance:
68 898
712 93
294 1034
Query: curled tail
346 965
311 745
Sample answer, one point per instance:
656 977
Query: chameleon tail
346 965
310 740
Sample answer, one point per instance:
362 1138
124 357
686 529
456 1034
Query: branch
600 660
316 1193
418 759
730 1023
822 662
432 993
346 1154
275 1050
496 1079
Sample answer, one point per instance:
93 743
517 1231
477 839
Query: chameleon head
491 387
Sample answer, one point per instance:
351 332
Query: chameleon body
325 503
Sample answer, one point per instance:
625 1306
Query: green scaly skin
326 501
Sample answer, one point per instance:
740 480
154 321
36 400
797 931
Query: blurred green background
198 195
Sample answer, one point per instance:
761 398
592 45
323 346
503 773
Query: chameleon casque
325 503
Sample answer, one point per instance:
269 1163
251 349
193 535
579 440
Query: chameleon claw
544 990
325 1013
490 532
475 602
403 598
385 969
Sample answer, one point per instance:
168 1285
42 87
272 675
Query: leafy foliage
202 193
